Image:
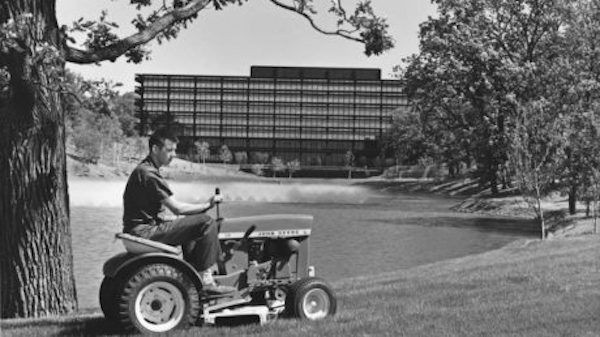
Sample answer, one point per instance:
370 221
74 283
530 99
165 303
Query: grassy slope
528 288
538 289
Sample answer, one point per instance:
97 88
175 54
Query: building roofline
269 72
319 68
137 75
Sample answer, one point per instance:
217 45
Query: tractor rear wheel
108 299
311 298
158 298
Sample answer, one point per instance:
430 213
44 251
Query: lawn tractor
152 289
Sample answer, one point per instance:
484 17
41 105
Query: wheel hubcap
156 305
159 306
316 304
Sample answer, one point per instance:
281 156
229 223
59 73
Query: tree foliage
164 20
259 157
537 146
589 162
225 154
277 165
98 118
292 166
349 159
491 80
202 150
241 157
478 62
579 93
258 169
404 138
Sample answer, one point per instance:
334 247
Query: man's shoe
216 290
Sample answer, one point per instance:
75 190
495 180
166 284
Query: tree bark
573 199
493 182
538 198
36 260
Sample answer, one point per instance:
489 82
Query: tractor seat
137 245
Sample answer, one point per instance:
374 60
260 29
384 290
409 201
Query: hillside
178 169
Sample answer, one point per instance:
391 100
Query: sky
228 42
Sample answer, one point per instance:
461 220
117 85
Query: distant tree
575 173
349 162
259 157
362 161
258 169
591 194
537 144
404 138
593 190
589 144
293 166
135 148
95 134
241 157
225 154
316 160
202 150
95 113
123 108
277 165
578 91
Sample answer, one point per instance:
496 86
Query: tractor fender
126 263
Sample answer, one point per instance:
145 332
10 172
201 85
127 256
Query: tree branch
340 32
341 8
113 51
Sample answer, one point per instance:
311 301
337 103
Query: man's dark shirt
144 193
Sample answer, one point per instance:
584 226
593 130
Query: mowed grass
529 288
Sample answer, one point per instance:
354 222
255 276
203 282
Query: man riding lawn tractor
180 272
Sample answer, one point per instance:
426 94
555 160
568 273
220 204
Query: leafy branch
371 29
167 20
155 26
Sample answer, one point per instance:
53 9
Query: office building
315 115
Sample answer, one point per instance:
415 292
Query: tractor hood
271 226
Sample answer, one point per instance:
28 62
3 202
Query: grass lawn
529 288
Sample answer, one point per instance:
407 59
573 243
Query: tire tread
140 278
297 290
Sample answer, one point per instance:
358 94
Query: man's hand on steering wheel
215 199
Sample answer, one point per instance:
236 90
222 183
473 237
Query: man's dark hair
159 136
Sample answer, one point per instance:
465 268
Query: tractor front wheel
158 298
311 298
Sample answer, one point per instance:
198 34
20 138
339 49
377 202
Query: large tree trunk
36 261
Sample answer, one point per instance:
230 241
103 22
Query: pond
357 231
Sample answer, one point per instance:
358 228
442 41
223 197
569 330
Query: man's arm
183 208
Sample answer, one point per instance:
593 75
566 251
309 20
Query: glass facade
312 114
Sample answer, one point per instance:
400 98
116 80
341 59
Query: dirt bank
472 198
